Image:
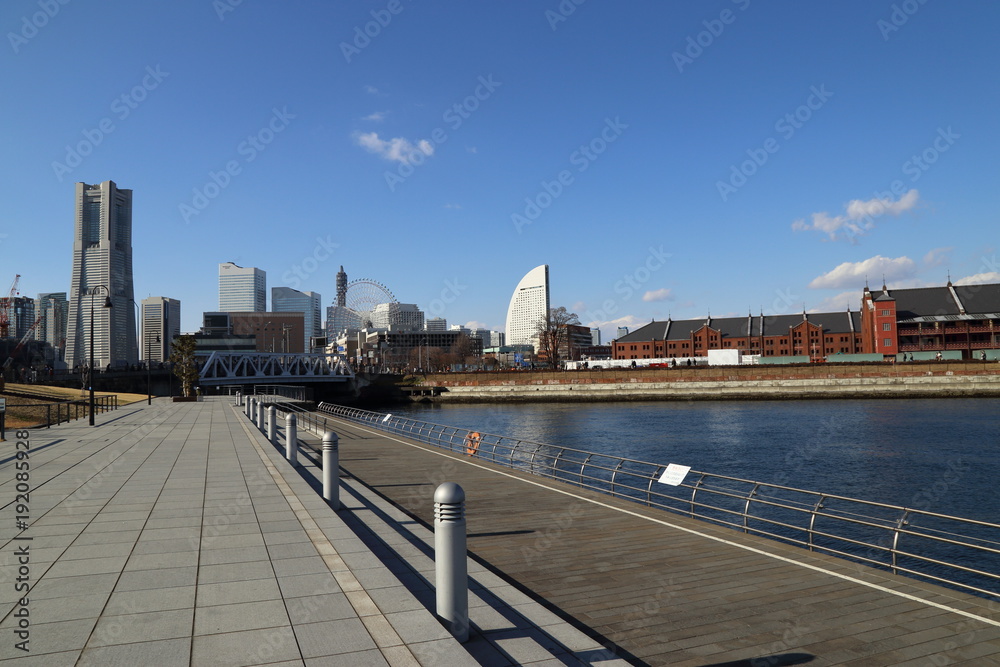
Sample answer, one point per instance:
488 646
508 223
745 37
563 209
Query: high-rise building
528 306
288 300
436 324
102 258
22 317
242 289
341 287
401 316
595 336
161 323
53 307
340 320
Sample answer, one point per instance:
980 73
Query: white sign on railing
674 474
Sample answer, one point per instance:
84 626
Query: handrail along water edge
953 551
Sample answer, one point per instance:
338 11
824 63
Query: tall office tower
102 258
288 300
53 307
595 336
161 323
22 317
341 287
242 289
528 306
437 324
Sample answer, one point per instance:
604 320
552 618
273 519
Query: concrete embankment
917 380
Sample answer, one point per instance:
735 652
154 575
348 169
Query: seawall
909 380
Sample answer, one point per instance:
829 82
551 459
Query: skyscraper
528 306
242 289
102 256
53 307
341 287
288 300
161 322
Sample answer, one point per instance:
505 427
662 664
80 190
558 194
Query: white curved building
528 305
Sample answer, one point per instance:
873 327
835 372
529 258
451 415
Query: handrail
963 553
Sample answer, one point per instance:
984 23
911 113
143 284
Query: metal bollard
272 425
291 440
248 408
331 469
239 397
450 568
260 415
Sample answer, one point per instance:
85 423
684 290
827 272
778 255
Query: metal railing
288 391
58 412
958 552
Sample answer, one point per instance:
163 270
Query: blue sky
663 158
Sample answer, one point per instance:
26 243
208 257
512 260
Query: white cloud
471 149
579 307
371 90
842 301
475 324
454 206
663 294
376 116
396 149
937 256
979 279
853 274
858 216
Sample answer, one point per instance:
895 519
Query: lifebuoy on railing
472 443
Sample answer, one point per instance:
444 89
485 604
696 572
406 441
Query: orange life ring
472 443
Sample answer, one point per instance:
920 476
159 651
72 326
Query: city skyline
723 159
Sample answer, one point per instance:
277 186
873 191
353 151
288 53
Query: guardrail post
260 416
239 397
291 439
331 469
450 568
272 426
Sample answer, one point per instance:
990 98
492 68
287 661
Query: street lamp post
149 368
107 304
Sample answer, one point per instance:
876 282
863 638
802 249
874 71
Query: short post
239 397
272 426
260 416
250 408
291 439
450 568
331 469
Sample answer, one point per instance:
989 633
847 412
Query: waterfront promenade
665 589
176 534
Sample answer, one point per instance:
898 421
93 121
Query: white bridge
222 368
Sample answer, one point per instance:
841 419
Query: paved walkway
665 589
177 535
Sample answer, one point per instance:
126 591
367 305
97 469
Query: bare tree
552 332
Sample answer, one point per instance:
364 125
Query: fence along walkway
667 589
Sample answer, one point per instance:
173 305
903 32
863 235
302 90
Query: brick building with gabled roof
965 318
814 334
929 319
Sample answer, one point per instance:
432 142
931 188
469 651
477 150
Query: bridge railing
963 553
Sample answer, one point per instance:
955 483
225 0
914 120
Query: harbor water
935 455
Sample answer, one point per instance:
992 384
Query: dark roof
922 301
980 299
740 327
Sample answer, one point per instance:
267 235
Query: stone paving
176 534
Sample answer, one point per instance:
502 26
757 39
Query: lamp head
107 302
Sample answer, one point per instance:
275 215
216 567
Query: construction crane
24 339
5 306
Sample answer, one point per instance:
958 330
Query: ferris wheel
364 294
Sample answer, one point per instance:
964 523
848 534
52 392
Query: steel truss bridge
224 368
